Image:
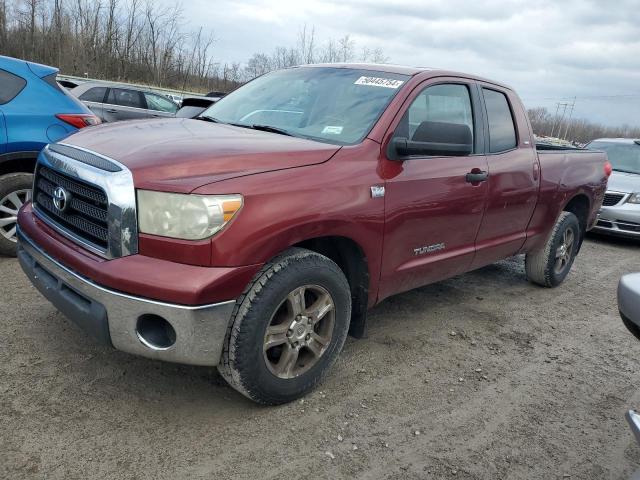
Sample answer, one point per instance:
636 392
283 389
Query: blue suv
34 111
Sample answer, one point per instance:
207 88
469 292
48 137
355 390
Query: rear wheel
551 265
288 328
15 191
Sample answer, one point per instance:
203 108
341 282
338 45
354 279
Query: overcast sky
549 51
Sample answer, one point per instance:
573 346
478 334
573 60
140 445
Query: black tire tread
538 266
231 365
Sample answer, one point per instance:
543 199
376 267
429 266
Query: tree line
575 130
139 41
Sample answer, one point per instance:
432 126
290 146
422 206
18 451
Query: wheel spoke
560 251
287 362
10 234
317 344
296 300
276 335
7 221
15 199
5 209
320 308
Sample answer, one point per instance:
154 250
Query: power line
586 97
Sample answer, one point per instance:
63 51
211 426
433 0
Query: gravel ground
481 376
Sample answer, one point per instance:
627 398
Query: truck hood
624 182
180 155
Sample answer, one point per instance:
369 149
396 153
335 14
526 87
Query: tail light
608 169
79 120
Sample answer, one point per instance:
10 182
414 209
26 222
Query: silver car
620 214
629 307
113 102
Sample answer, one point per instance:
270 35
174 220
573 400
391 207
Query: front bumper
113 318
621 220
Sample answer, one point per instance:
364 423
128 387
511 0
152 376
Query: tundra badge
429 249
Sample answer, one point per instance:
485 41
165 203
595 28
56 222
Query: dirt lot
481 376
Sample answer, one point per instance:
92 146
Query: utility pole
566 131
564 110
555 118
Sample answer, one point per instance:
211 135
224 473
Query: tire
15 189
260 371
544 267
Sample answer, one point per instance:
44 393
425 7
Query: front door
433 208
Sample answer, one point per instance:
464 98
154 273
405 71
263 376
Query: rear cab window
10 86
502 130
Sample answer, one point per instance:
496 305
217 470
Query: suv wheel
288 328
15 191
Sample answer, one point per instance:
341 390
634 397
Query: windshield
624 157
333 105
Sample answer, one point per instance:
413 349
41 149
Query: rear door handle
111 110
477 176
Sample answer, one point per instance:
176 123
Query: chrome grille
611 199
86 214
88 198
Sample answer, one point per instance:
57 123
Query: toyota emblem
60 199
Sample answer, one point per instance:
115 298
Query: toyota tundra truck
256 237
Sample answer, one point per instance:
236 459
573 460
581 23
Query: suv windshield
624 157
333 105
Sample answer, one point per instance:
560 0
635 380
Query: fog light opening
155 332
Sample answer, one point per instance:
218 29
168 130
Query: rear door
432 210
124 104
94 100
513 176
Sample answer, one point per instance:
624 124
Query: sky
549 51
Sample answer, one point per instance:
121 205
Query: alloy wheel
564 252
9 207
300 331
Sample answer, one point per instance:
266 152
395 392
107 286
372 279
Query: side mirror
434 138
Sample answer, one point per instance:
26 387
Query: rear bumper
113 317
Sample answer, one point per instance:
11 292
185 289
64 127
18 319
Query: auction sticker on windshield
332 129
379 82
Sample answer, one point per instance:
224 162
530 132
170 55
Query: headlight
634 198
187 217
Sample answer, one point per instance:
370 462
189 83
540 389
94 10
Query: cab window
502 131
437 107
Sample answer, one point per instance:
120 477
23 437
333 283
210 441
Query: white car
620 214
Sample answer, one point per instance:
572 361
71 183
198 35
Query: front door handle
112 110
476 176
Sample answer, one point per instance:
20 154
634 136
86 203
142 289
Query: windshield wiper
269 128
263 128
208 119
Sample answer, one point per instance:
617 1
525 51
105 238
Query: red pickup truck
256 237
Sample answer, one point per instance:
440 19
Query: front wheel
15 191
287 328
551 265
